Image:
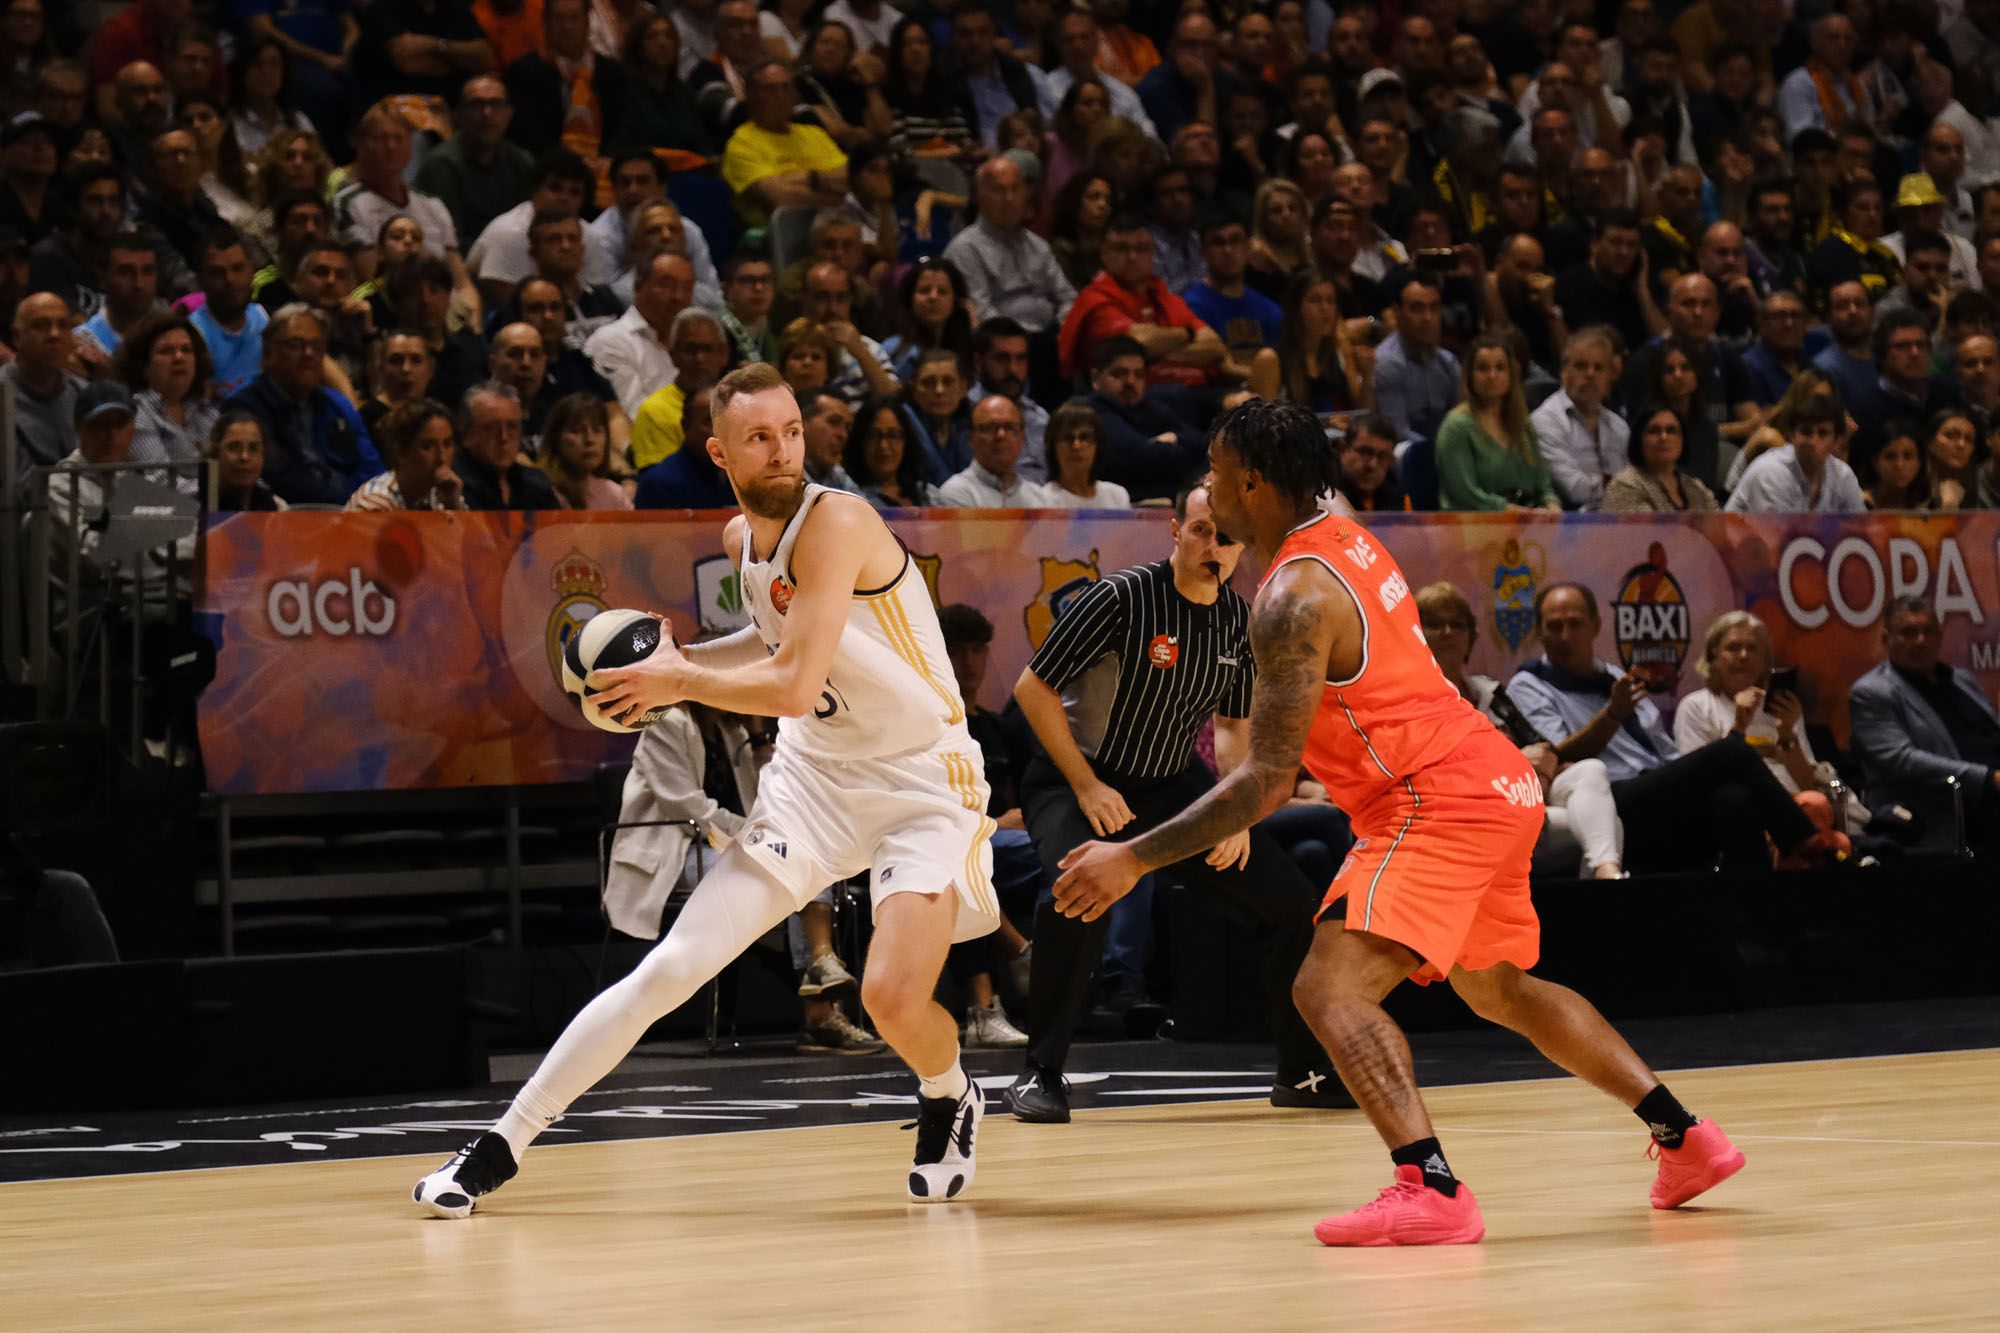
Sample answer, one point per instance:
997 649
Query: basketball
608 640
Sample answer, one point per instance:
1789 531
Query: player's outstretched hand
1096 875
1233 850
636 690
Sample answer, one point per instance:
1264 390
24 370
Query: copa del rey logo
1163 651
337 607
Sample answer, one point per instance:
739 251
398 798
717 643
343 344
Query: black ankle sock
1665 1116
1427 1156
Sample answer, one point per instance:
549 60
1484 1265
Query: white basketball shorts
916 822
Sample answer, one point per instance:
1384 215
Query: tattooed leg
1340 991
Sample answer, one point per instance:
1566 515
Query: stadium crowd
1533 255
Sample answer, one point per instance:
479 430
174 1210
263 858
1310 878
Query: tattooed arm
1304 621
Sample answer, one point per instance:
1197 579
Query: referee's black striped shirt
1140 668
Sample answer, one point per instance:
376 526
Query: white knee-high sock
732 906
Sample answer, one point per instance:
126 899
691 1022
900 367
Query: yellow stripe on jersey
903 640
964 779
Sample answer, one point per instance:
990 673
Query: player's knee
893 1002
1493 994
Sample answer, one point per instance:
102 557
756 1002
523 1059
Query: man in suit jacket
1917 721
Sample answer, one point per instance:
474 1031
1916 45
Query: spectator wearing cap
478 173
30 200
45 391
318 451
1920 208
78 493
131 282
500 257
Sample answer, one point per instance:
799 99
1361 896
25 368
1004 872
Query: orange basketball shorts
1440 862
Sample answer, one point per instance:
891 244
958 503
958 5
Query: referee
1115 697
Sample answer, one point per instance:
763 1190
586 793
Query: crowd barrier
386 651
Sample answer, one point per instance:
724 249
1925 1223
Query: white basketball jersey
891 689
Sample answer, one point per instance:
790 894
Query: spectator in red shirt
1128 299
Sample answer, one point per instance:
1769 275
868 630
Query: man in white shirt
639 180
992 481
1802 477
499 258
1077 38
375 191
871 21
1582 440
631 351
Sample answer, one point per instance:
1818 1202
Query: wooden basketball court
1869 1202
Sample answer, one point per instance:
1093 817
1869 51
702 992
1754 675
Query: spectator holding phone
1747 695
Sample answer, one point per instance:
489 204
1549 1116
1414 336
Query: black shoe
474 1171
1137 1013
1315 1089
1040 1096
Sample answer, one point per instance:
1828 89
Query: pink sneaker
1408 1213
1704 1160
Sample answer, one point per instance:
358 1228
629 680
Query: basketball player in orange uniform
1445 813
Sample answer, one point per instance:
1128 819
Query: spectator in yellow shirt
700 349
771 163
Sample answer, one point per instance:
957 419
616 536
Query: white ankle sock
951 1083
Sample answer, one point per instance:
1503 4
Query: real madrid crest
579 586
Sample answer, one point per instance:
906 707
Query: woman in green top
1487 456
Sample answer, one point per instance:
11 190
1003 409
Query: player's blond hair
757 377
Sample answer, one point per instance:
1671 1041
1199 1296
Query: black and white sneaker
946 1127
1039 1096
477 1169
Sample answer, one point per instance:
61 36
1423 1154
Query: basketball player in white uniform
874 771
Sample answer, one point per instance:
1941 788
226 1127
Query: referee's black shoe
1040 1096
1315 1089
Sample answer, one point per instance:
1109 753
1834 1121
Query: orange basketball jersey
1397 715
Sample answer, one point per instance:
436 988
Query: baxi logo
1650 622
337 607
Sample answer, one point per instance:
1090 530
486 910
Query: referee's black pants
1270 896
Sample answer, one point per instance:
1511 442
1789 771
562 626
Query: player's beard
772 497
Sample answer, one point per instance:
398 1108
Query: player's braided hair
1283 442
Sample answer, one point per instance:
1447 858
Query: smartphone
1441 260
1784 680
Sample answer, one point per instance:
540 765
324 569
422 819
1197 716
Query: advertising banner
386 651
